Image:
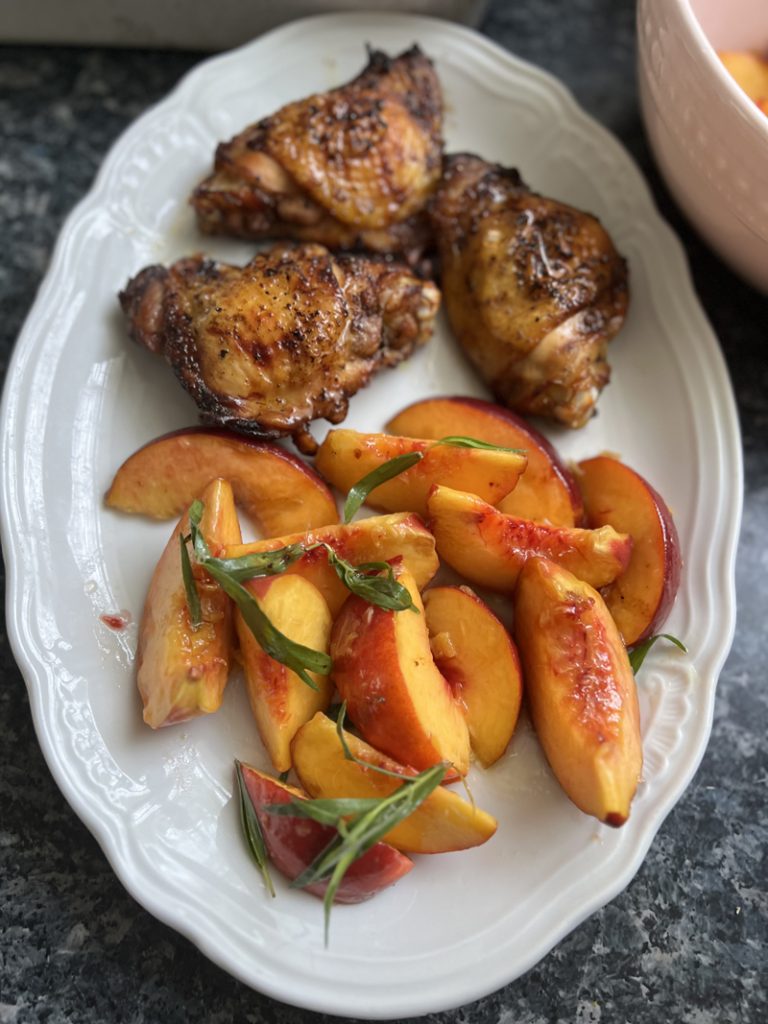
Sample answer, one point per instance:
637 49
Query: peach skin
490 548
276 489
182 669
293 843
642 597
545 492
478 657
580 689
384 670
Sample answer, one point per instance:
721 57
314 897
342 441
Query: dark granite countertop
686 941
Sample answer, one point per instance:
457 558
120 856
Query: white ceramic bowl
709 138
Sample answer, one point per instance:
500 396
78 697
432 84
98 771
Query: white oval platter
80 398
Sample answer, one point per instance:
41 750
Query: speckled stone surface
686 942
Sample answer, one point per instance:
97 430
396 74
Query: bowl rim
748 106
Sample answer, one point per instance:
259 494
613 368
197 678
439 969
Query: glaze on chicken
351 168
266 348
534 289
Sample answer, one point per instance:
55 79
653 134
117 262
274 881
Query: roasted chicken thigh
266 348
534 289
350 168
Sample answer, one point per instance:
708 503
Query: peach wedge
293 843
546 491
376 539
442 823
345 456
383 668
580 689
490 548
281 702
478 657
182 669
274 488
641 598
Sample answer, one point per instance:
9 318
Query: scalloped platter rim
78 400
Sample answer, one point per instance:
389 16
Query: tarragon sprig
295 656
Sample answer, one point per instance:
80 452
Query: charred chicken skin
351 168
534 289
266 348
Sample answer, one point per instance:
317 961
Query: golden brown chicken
351 168
286 339
534 289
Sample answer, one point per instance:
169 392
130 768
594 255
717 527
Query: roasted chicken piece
534 289
351 168
286 339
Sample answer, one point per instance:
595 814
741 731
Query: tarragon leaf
638 653
252 830
190 587
458 441
386 471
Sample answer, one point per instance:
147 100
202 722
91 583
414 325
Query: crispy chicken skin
534 289
351 168
265 348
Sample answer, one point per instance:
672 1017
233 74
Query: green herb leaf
190 587
297 657
637 654
252 830
261 563
457 441
324 811
366 581
386 471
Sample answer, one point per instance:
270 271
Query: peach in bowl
709 137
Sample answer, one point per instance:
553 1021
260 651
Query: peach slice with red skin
293 843
182 669
377 539
615 495
345 456
490 548
444 822
546 492
395 695
580 689
279 491
281 702
478 657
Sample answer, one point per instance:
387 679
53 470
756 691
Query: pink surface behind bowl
709 138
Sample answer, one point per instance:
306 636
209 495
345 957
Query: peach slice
442 823
749 70
478 657
580 689
490 548
546 492
182 670
293 843
276 489
397 698
377 539
345 456
280 701
615 495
